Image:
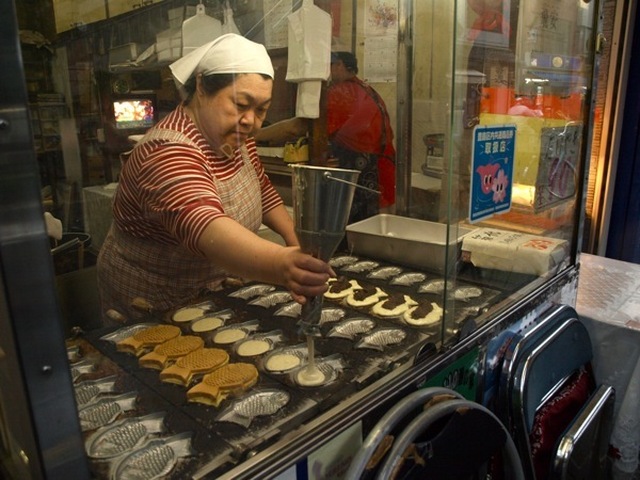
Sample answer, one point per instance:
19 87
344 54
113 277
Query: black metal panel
41 433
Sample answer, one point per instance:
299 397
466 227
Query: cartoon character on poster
492 170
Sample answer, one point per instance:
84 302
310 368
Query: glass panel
486 102
538 89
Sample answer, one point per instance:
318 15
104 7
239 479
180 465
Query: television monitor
134 113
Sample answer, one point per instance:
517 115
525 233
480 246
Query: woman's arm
245 254
283 131
279 220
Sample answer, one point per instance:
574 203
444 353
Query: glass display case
489 105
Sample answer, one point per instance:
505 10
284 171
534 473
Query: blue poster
491 170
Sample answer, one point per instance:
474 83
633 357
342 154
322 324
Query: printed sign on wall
492 170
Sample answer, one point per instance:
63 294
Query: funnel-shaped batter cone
322 199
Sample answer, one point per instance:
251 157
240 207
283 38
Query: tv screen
134 113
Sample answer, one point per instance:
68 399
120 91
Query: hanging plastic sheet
309 60
199 29
229 25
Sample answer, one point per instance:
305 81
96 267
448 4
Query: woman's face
229 117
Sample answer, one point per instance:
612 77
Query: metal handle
328 176
65 246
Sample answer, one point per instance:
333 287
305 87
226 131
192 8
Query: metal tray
407 241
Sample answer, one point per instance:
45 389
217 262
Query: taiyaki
198 362
149 337
232 378
179 346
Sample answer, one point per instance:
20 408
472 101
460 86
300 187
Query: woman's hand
303 275
243 253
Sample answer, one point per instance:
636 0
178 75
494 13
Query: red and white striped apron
169 276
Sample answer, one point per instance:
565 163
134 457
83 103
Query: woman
193 192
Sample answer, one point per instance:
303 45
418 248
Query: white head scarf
230 53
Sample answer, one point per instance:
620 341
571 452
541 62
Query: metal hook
566 127
328 176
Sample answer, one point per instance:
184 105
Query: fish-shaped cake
232 378
177 347
198 362
147 338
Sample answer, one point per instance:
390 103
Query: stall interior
487 101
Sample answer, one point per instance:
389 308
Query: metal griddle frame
39 428
38 415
